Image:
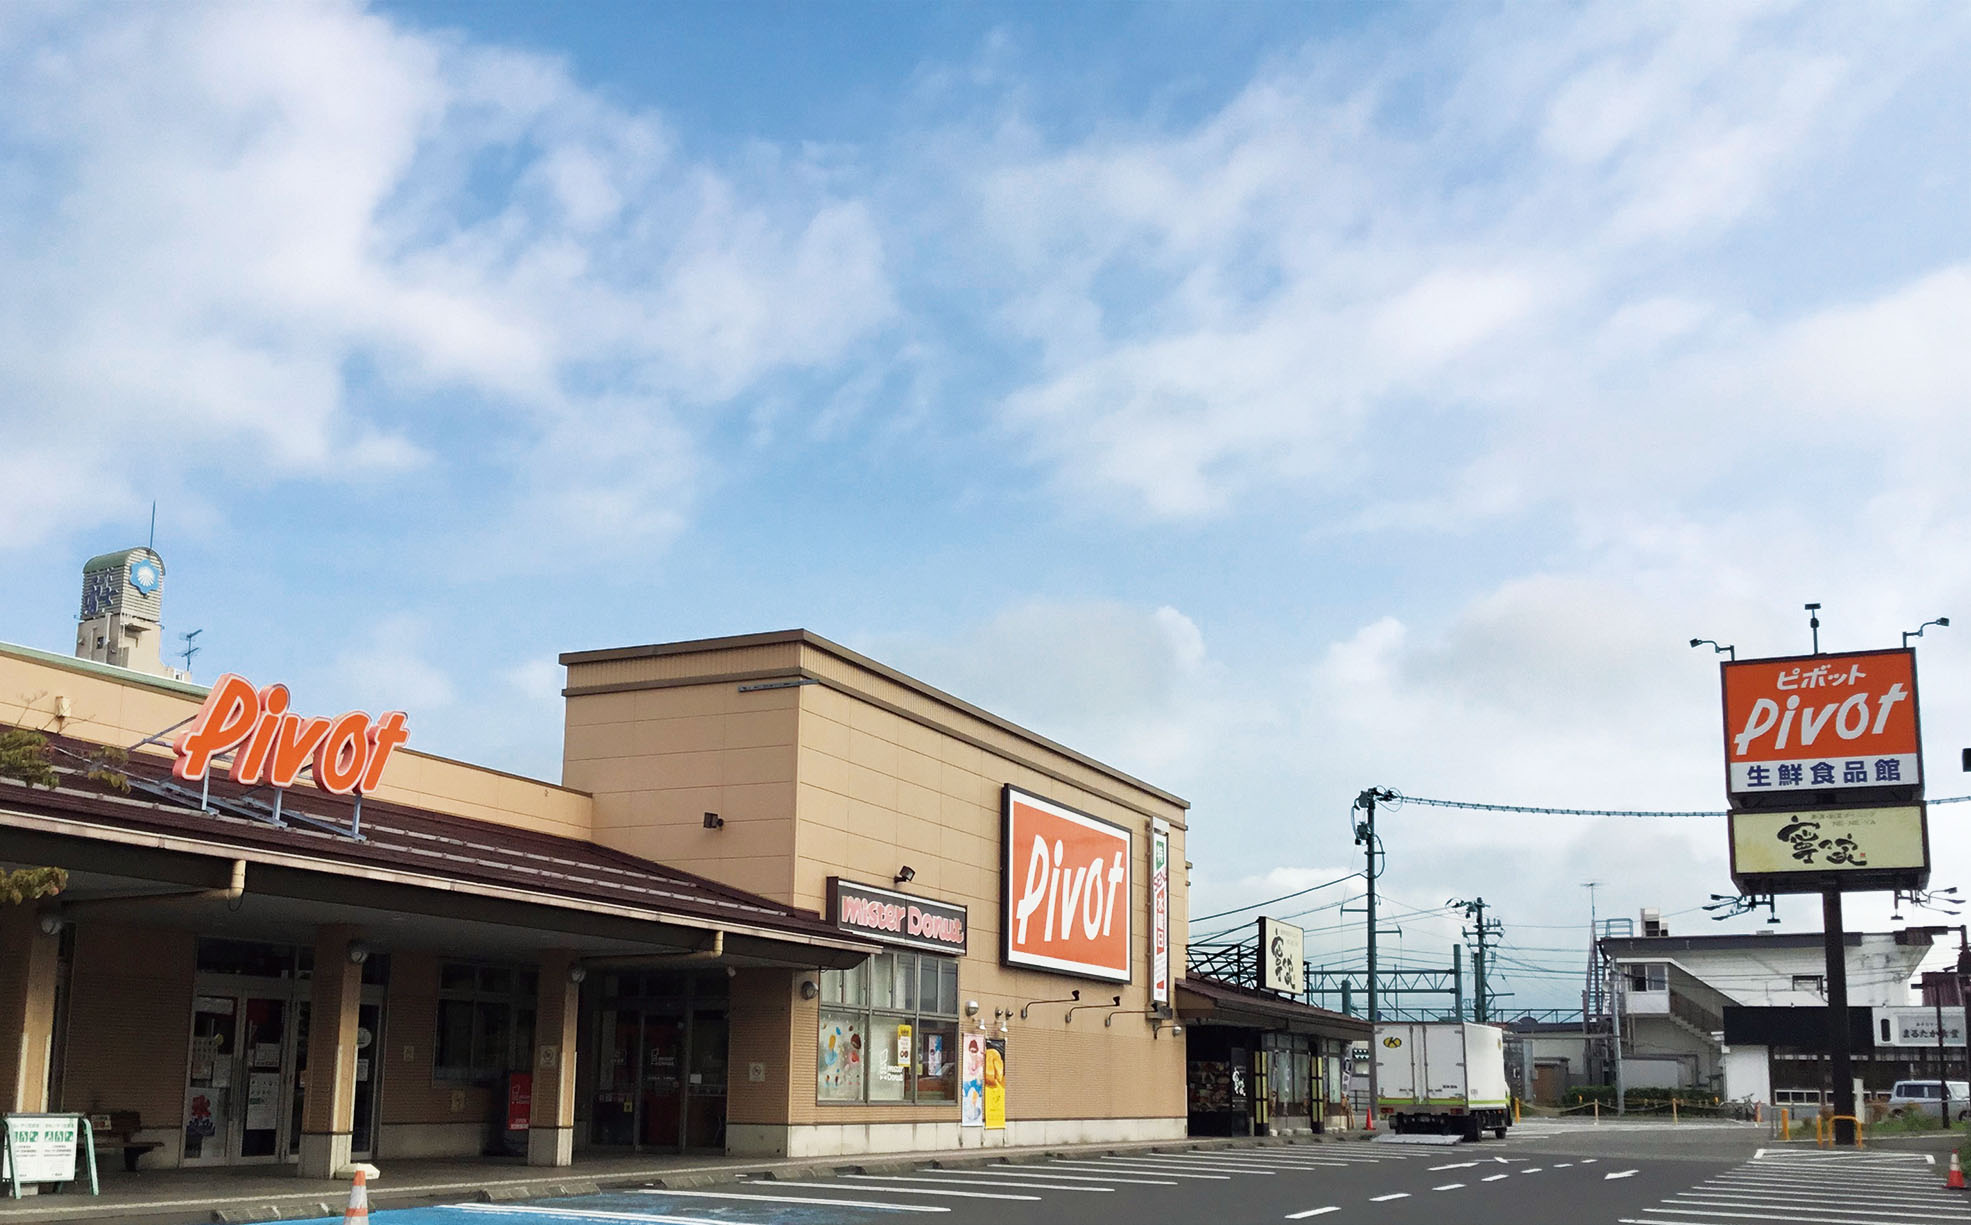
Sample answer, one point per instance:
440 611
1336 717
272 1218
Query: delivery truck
1447 1077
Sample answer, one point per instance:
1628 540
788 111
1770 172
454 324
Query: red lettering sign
270 744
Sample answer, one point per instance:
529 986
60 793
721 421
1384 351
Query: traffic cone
358 1212
1956 1179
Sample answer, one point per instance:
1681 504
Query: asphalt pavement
1543 1174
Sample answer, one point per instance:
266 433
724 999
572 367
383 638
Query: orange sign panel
1067 889
1821 722
271 744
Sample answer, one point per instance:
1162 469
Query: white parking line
913 1190
1494 1177
1456 1165
1050 1171
1174 1165
1698 1199
586 1214
1615 1174
1301 1216
1030 1186
1449 1186
799 1199
1796 1218
1384 1199
1162 1170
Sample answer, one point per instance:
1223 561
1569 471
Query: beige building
784 900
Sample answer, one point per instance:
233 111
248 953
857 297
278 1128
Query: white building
1672 992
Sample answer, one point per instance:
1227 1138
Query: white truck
1447 1077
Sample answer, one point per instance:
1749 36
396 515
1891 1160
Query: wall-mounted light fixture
1114 1003
51 923
358 952
905 875
1072 997
577 972
1918 631
714 821
808 989
972 1008
1715 648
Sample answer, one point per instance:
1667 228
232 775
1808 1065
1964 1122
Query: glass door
661 1108
704 1119
210 1082
264 1054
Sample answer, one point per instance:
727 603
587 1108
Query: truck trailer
1447 1077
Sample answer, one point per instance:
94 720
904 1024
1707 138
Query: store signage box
1852 849
1813 730
1067 890
1281 967
897 918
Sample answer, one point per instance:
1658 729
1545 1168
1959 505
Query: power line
1340 880
1473 805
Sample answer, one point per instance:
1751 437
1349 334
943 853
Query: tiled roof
399 838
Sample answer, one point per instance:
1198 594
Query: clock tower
122 620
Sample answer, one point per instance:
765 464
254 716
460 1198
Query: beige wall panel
772 657
750 729
598 708
874 753
762 1008
819 806
410 1094
130 1022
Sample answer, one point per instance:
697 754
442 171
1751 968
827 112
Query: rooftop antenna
191 648
153 544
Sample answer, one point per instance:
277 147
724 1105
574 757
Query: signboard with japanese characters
1842 725
1846 848
1824 773
1280 967
1159 914
1916 1025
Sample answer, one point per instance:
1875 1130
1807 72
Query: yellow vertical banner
995 1083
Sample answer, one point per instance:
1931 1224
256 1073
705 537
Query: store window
485 1021
889 1031
1651 976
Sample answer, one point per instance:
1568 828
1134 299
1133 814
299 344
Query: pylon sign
1824 773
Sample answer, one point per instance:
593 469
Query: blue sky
1272 399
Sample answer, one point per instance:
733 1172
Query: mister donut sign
1068 889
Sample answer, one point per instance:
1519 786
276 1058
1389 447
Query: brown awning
462 865
1209 1001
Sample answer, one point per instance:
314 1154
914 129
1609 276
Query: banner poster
971 1111
1159 913
995 1083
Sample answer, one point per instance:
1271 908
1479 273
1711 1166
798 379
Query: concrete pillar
27 1009
329 1111
551 1129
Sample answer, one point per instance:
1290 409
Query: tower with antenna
122 618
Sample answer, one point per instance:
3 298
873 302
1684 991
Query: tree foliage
24 756
27 884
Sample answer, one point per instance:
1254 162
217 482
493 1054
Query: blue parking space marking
741 1204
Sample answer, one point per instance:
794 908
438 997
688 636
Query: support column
27 1010
551 1125
334 997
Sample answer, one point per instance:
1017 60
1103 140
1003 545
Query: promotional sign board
271 744
1067 889
1916 1026
1843 724
971 1078
1280 957
39 1147
1159 913
995 1083
896 918
1845 848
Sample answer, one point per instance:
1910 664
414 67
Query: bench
118 1130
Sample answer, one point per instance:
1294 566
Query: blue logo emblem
144 577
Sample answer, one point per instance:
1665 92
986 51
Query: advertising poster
263 1101
1159 913
44 1144
1067 893
995 1083
971 1096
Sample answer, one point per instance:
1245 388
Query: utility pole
1615 1028
1457 982
1365 837
1482 932
1839 1038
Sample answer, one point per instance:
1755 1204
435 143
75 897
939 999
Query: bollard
1785 1123
1673 1110
1597 1113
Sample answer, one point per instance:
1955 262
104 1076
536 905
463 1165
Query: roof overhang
1204 1001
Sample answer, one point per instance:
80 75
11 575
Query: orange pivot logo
347 752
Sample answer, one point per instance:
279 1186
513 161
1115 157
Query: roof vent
1653 923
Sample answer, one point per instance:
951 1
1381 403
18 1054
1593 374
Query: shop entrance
247 1076
661 1079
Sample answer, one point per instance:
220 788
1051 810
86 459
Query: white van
1927 1096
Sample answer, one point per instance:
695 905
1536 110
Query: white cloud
234 233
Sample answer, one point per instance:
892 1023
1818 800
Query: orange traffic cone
1956 1178
358 1212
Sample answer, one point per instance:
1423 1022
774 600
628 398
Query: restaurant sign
1159 913
271 744
1066 889
1845 848
896 918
